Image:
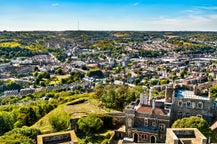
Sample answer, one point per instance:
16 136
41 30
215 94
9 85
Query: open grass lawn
79 110
57 80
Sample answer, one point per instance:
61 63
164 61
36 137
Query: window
200 105
179 115
162 127
193 105
188 104
180 103
153 124
129 122
213 106
144 136
145 122
188 114
161 136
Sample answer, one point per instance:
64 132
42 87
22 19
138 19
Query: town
139 87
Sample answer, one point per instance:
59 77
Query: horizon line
108 30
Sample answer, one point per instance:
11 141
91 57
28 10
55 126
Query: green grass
10 44
44 125
74 110
32 46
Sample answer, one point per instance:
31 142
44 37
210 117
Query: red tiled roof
147 109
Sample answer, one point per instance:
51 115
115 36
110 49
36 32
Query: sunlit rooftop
189 94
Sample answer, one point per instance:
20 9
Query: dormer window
200 105
188 104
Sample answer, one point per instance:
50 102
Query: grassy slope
44 125
75 111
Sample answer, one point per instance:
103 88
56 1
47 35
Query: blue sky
108 15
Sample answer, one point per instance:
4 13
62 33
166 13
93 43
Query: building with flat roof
185 136
67 137
188 103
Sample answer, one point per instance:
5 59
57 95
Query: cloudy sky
180 15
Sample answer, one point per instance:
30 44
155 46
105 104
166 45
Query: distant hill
29 43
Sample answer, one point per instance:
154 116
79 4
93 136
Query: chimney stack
153 105
150 95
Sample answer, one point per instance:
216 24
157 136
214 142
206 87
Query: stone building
68 137
185 136
147 118
188 103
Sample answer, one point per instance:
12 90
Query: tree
16 139
12 85
213 91
60 120
163 81
26 116
108 98
59 71
90 123
153 82
6 122
194 122
99 89
95 73
210 78
30 132
76 76
183 73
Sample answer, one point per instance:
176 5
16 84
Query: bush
25 131
59 120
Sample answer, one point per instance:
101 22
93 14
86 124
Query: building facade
147 118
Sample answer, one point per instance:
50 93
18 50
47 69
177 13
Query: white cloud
191 22
55 4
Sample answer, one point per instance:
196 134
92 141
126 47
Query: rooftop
185 136
148 109
189 94
59 137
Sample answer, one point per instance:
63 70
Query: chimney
143 99
196 90
168 94
150 95
153 105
